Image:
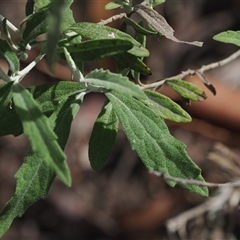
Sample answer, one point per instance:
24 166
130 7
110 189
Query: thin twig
199 71
113 18
195 182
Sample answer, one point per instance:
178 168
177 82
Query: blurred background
123 200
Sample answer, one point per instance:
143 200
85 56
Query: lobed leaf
103 137
36 126
101 80
166 108
229 37
150 138
187 90
35 177
98 31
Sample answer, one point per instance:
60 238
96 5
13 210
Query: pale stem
195 182
113 18
201 70
21 74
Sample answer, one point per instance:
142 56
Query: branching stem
199 72
195 182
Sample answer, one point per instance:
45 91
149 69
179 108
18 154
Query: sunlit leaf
150 138
228 37
102 81
35 177
98 31
187 90
38 130
166 108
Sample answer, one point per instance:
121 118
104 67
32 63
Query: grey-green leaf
138 28
54 31
150 138
166 108
98 31
98 49
228 37
113 5
48 96
187 90
35 177
36 25
103 137
103 81
132 62
9 55
36 126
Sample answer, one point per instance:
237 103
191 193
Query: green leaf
35 177
4 76
113 5
166 108
72 65
158 2
9 55
101 80
187 90
138 28
36 126
229 37
54 33
48 97
141 39
150 138
42 4
98 49
29 7
132 62
36 24
98 31
103 137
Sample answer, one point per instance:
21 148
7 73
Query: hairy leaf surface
48 96
35 177
98 49
150 138
187 90
101 80
36 126
98 31
166 108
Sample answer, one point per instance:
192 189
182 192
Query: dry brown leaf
159 23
